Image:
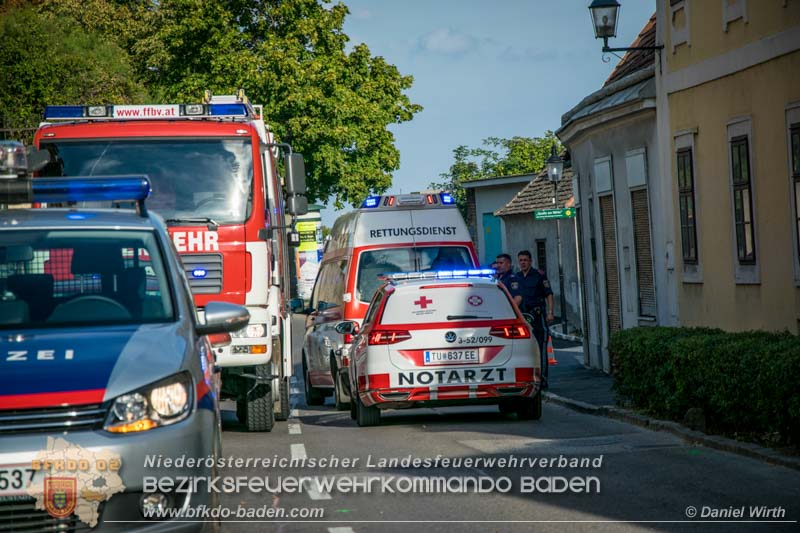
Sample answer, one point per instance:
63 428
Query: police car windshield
372 263
60 278
192 179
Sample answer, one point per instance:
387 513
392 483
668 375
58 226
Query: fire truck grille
204 272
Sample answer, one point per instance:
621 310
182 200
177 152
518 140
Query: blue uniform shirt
534 289
511 282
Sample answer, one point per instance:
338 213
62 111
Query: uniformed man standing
506 276
537 300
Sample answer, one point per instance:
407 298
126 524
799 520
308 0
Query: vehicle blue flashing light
447 198
371 201
92 189
80 216
63 111
228 110
199 273
441 274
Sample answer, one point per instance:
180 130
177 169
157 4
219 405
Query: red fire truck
214 175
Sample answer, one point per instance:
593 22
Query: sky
500 68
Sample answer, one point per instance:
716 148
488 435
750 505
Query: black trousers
539 328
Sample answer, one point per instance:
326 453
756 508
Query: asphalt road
637 479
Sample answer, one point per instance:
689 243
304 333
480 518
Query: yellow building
729 119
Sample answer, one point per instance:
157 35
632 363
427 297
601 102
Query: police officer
506 276
535 292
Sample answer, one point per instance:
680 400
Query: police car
106 374
439 339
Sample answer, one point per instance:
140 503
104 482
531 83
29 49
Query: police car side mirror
223 317
347 327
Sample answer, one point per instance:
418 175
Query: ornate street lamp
604 18
555 165
555 168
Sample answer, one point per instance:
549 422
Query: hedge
747 383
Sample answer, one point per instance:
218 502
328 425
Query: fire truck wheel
282 413
367 416
259 404
530 408
313 395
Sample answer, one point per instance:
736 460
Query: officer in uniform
506 276
535 292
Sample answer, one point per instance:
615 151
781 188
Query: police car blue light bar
441 274
371 201
94 189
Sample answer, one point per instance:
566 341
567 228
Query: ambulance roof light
447 198
440 274
371 201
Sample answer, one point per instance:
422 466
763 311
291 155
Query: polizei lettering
39 355
412 232
451 377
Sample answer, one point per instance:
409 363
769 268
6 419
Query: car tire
313 395
530 408
283 413
367 416
353 408
338 390
506 408
259 405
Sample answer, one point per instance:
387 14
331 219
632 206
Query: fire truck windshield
192 179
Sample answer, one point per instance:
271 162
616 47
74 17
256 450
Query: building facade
729 121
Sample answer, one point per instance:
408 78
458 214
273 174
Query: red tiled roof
637 59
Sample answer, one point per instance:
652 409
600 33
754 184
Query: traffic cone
551 354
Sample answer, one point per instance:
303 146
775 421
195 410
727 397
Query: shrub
746 383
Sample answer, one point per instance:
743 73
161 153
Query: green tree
331 104
497 157
45 61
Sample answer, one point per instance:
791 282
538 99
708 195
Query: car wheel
506 408
338 390
260 414
313 395
530 408
367 416
353 408
283 413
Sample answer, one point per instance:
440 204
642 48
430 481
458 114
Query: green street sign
551 214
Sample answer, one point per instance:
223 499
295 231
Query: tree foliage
497 157
333 104
44 63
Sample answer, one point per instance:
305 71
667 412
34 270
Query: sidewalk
589 390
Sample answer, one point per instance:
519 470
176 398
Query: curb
690 436
564 337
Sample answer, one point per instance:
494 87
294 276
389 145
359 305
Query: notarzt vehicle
409 232
102 361
439 339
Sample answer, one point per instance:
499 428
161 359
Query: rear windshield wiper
462 317
212 224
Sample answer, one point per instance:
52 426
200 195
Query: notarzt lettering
411 232
450 377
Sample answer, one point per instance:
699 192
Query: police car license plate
15 479
449 357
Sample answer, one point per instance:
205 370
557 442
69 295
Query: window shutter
644 256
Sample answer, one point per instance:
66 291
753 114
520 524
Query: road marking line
294 413
313 493
294 429
340 530
298 451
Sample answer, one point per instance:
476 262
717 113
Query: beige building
728 97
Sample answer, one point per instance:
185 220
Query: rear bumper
489 393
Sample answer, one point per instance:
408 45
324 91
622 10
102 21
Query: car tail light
388 336
513 331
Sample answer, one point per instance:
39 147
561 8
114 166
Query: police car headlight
250 332
160 404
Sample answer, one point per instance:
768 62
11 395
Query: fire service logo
60 496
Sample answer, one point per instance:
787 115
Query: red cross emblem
423 302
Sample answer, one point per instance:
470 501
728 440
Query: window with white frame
743 201
686 205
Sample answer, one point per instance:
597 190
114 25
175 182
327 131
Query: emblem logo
450 336
60 495
423 302
475 300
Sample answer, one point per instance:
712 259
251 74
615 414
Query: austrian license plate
449 357
15 479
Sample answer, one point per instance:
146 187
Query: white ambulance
441 339
393 233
